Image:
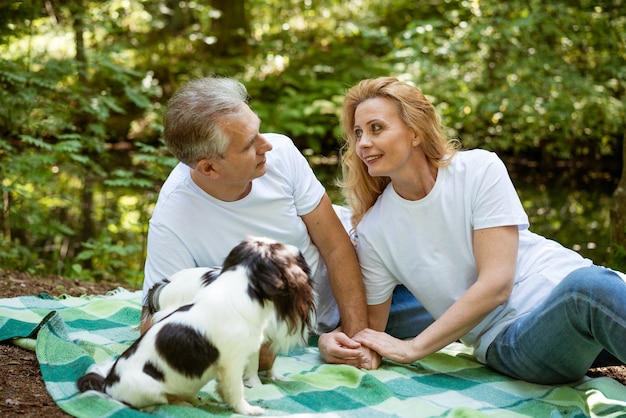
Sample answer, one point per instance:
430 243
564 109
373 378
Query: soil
22 390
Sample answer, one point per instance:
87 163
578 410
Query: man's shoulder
178 174
283 150
278 139
172 185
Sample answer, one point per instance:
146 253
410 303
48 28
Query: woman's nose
363 141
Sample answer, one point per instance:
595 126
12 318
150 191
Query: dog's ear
278 274
266 272
299 307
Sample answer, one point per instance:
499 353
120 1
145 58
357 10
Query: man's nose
264 145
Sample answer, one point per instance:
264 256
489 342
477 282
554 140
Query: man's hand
337 348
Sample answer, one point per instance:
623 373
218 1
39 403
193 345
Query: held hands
337 348
385 345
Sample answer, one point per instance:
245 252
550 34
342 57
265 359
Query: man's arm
342 264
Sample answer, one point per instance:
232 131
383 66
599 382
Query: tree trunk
618 208
87 230
232 28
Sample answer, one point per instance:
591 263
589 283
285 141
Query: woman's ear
416 139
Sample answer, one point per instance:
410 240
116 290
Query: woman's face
384 142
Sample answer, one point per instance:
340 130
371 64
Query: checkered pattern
70 333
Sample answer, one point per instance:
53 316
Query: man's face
244 159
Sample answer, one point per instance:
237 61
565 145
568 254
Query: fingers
347 342
368 337
374 360
338 348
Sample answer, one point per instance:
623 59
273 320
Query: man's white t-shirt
190 228
427 244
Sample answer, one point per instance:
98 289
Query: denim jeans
583 317
407 317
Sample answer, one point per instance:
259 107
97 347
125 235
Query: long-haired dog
218 333
180 289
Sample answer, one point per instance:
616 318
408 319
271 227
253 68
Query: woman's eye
358 133
376 127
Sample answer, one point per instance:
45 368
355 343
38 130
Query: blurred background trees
83 84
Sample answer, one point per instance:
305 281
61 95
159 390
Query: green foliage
617 260
523 78
109 259
81 156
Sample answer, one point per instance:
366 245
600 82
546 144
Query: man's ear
207 167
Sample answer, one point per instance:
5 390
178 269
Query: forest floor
22 390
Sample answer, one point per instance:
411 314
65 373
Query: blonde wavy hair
361 190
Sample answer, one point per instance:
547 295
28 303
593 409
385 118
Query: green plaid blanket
70 333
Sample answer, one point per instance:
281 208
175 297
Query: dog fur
262 285
180 288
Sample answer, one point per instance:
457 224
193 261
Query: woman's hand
385 345
337 348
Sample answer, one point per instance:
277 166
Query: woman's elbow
503 292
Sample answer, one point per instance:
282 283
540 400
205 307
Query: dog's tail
91 381
153 296
94 378
180 288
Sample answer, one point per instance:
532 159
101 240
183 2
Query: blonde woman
449 226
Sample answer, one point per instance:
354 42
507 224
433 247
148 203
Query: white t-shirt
427 244
190 228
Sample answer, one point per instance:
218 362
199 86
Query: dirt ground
23 392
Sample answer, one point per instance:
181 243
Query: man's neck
219 190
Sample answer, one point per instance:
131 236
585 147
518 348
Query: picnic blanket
70 333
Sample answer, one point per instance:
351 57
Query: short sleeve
379 282
307 189
495 201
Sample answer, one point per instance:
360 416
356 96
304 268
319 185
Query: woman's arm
495 251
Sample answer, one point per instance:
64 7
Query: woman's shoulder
475 155
476 160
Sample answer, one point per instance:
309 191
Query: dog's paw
252 381
245 408
275 377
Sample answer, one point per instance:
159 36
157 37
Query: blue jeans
407 317
582 319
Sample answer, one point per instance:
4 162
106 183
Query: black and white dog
262 283
180 289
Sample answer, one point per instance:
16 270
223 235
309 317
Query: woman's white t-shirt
190 228
427 244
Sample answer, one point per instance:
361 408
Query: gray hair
192 120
